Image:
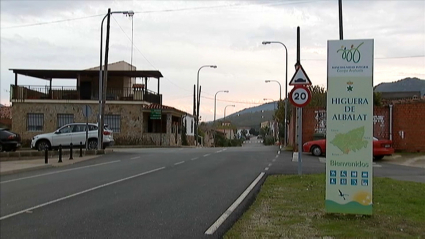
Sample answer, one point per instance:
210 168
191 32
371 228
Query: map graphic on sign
353 140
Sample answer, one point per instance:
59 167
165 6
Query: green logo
350 86
352 54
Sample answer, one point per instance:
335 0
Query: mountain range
253 116
406 84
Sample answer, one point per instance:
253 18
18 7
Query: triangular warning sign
300 77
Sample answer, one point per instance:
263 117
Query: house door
85 90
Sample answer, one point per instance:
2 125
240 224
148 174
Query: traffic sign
155 114
300 77
300 96
86 111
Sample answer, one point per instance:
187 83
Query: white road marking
377 165
179 163
270 164
135 157
274 160
224 149
277 156
62 171
219 151
194 159
266 168
232 207
206 155
278 152
79 193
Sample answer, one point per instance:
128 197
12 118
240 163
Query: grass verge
294 207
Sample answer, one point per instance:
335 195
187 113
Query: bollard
60 153
70 152
46 156
81 149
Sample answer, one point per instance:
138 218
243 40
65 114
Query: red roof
163 107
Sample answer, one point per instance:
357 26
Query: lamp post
265 99
286 85
215 102
198 97
226 108
225 119
102 85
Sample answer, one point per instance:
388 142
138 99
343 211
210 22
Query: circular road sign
300 96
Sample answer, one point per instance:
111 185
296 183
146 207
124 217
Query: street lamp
102 86
280 87
286 85
265 99
225 119
225 110
215 102
198 96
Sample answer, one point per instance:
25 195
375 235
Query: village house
133 110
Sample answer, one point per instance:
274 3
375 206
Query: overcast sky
178 37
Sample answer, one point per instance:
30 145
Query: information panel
349 134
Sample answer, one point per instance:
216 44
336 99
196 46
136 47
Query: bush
268 140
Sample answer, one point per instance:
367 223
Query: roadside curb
26 169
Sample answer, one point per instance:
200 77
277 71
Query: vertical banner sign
349 134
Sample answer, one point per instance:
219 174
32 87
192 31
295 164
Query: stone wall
131 120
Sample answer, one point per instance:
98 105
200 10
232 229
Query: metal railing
28 92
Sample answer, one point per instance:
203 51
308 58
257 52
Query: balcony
137 93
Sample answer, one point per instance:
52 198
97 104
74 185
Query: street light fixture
215 102
286 85
265 99
198 98
102 82
225 110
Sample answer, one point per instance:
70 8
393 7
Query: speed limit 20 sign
300 96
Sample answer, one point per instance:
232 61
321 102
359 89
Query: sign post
349 134
300 96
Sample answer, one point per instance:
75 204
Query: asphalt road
146 193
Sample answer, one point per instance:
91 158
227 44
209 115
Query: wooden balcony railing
27 92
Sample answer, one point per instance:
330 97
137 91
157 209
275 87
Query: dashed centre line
179 163
206 155
135 157
266 168
194 158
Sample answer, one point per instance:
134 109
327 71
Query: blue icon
344 173
333 173
365 174
333 181
343 181
354 174
354 182
365 182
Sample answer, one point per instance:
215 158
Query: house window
113 122
64 119
35 121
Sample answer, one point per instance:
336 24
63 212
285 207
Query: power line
50 22
153 11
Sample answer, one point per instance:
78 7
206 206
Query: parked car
72 133
381 147
9 141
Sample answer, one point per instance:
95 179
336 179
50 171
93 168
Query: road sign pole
300 139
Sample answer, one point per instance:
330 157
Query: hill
252 117
406 84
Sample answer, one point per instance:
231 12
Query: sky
178 37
